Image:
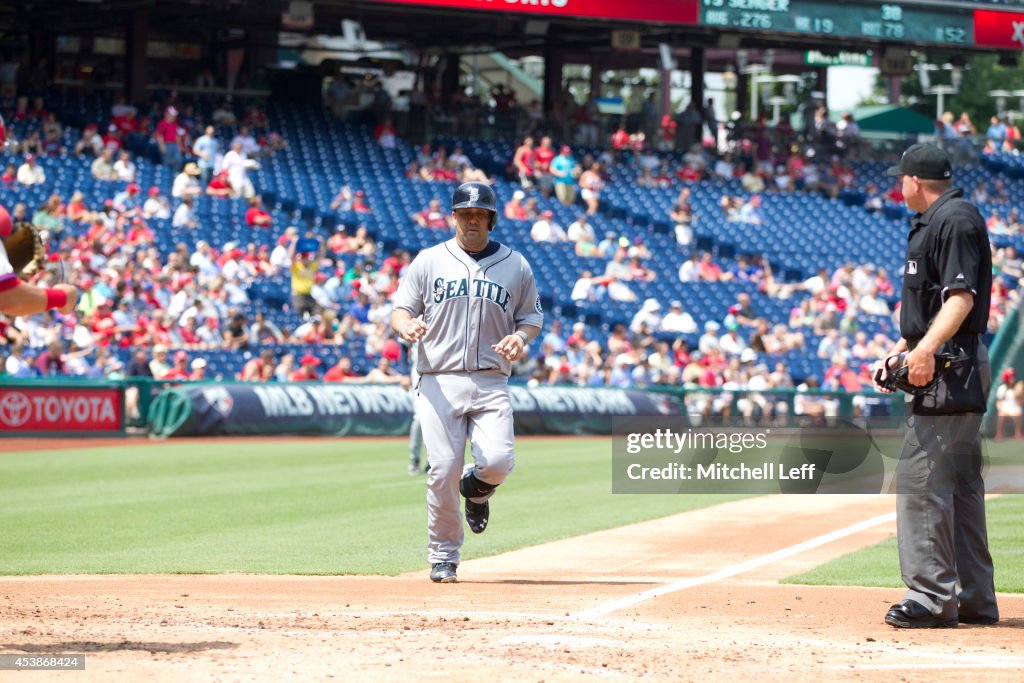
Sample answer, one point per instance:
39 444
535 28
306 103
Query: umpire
947 280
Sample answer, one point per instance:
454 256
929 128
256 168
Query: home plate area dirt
689 597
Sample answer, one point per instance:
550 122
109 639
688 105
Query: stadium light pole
754 70
1000 96
941 91
777 101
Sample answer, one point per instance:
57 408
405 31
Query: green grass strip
879 565
302 507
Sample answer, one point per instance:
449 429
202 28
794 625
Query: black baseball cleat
443 572
912 614
477 515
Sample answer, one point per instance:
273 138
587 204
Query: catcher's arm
21 298
22 255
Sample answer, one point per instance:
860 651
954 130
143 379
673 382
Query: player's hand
72 293
922 366
511 347
414 330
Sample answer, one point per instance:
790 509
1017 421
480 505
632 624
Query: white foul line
735 569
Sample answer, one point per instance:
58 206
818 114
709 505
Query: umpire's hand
922 366
511 347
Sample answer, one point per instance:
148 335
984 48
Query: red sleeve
8 281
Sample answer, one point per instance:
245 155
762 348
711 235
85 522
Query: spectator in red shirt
168 136
256 215
259 369
339 242
220 186
126 124
385 134
543 156
139 233
10 175
433 217
51 362
524 160
180 368
340 371
112 140
307 370
514 209
620 138
841 377
359 204
708 269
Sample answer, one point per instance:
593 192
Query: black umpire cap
925 161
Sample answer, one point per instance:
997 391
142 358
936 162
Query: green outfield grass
879 564
302 507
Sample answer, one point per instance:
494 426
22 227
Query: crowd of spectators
173 308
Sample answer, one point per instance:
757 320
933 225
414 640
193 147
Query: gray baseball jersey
468 306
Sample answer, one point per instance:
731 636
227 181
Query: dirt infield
546 613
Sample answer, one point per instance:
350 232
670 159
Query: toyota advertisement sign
26 409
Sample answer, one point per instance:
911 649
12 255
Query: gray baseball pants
940 513
455 408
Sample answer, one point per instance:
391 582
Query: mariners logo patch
537 305
911 267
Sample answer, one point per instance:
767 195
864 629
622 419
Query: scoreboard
860 19
983 25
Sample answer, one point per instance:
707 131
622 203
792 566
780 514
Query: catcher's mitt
898 374
25 250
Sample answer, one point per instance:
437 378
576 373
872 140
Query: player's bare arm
26 299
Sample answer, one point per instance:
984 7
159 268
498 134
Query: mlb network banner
336 409
668 11
60 409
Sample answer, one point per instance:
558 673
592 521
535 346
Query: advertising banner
363 410
54 408
667 11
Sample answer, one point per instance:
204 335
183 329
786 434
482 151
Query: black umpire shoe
443 572
477 515
912 614
978 620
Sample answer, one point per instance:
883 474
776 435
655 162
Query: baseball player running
471 304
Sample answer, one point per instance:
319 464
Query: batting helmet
476 196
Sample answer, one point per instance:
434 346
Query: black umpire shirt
947 250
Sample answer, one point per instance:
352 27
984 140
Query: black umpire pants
940 513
